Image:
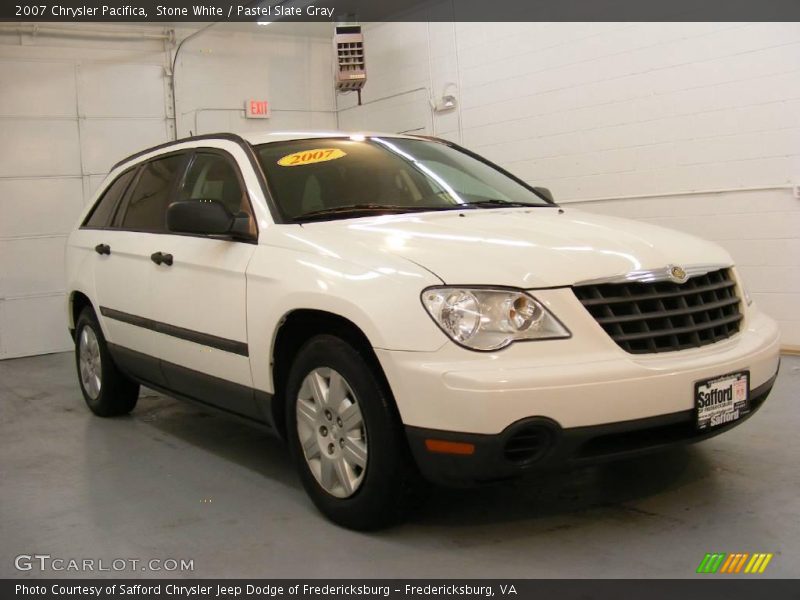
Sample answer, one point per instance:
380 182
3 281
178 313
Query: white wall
594 111
613 110
217 71
68 110
70 107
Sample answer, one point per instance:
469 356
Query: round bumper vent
528 444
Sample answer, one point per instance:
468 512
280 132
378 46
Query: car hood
519 247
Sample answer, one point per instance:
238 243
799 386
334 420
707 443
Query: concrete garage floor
170 481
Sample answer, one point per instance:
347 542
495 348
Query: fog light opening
528 444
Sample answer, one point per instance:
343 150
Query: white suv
400 309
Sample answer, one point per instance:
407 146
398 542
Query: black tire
390 485
117 395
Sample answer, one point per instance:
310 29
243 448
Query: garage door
63 123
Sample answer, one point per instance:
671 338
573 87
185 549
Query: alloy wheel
331 431
90 362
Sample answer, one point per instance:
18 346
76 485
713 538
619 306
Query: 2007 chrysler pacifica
400 309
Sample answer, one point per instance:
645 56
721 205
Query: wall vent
351 70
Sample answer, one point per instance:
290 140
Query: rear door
200 298
124 275
98 245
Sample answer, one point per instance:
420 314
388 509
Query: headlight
490 319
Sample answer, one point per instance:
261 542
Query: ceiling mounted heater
351 70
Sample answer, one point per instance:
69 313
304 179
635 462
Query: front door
199 295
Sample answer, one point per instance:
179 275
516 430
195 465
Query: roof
266 137
256 138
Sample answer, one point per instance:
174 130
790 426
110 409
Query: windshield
328 178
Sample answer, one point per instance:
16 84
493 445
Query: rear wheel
106 390
346 438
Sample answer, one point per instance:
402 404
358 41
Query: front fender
384 302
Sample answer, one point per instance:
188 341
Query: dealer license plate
722 400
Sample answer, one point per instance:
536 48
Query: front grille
663 316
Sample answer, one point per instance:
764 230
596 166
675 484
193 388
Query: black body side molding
190 335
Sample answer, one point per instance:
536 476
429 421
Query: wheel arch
76 303
296 328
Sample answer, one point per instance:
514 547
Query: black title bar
707 588
172 11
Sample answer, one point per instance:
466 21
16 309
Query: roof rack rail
232 137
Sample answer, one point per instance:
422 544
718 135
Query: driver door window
212 176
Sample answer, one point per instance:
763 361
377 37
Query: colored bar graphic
764 564
703 564
741 562
757 563
721 562
726 567
711 562
752 563
718 563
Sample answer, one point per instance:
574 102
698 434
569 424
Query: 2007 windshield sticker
307 157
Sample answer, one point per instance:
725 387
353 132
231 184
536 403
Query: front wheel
346 439
107 391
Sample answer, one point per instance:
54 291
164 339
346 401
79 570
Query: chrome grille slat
648 294
669 313
663 316
677 330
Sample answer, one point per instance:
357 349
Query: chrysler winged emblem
677 274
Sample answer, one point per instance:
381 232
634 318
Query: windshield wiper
495 203
358 209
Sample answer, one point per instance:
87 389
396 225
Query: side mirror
206 217
545 193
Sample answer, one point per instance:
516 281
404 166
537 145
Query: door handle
161 258
102 249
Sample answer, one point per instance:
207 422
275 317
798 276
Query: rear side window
147 206
104 209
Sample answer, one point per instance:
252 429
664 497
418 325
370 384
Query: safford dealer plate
722 400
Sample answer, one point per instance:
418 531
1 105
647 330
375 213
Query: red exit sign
256 109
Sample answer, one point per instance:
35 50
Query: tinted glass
147 207
322 174
213 177
104 209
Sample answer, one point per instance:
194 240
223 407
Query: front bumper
546 445
578 382
591 398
